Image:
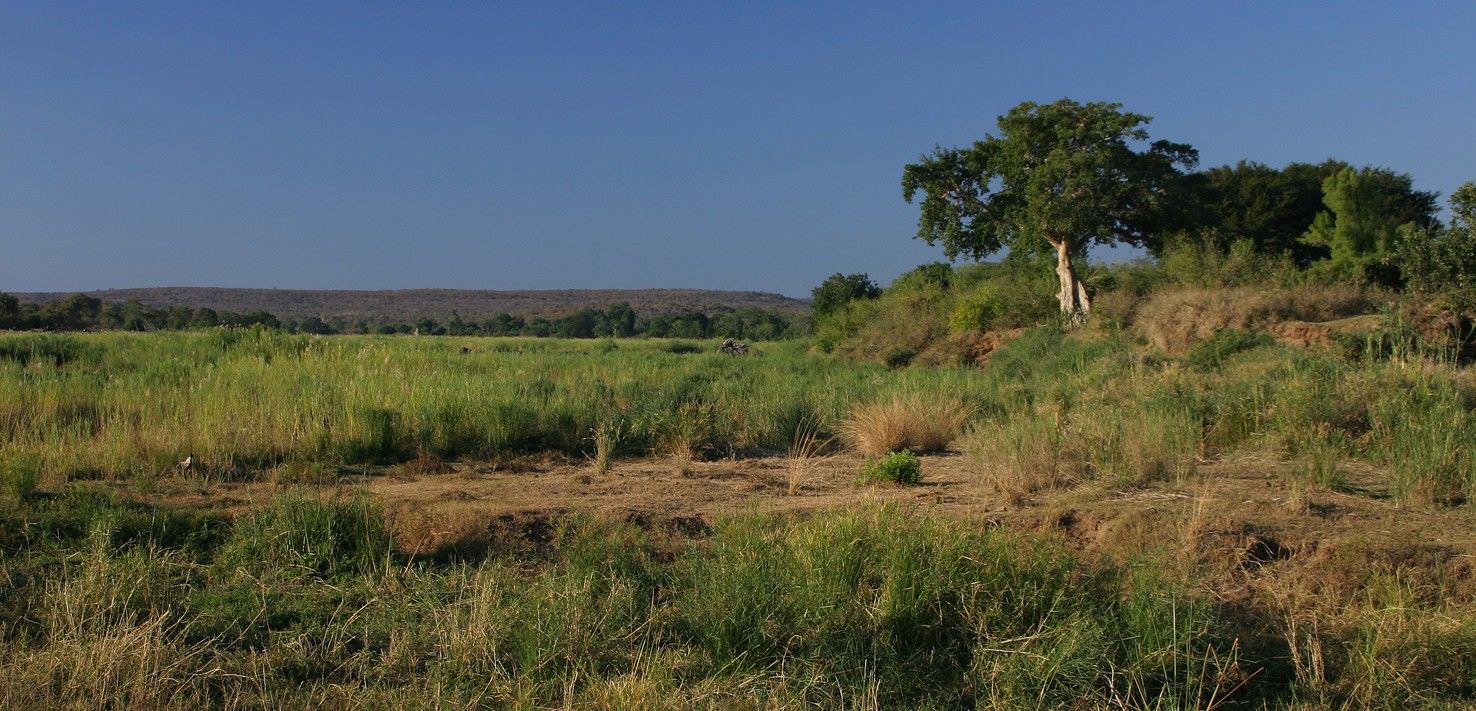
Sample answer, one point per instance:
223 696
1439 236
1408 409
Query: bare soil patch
1238 521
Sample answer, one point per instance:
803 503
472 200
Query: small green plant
21 474
897 467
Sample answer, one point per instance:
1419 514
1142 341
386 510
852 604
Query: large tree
1063 175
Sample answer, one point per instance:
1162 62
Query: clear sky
681 144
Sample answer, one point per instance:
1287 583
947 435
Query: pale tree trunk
1073 295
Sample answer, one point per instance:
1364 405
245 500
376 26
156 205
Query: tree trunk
1073 295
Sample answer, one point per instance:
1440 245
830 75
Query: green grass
306 602
244 401
105 406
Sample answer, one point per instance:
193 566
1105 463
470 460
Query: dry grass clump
1175 319
1396 645
906 422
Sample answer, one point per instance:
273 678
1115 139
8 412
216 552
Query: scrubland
120 593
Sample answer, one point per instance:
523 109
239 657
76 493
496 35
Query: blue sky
550 145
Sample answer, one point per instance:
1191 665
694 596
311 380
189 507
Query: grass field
111 406
120 594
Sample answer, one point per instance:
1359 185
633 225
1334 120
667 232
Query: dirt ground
1236 516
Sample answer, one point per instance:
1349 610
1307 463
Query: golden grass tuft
906 422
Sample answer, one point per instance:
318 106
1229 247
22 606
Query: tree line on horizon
81 312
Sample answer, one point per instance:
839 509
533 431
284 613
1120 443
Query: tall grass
246 402
306 602
298 605
1063 411
132 405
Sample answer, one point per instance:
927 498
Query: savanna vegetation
1304 331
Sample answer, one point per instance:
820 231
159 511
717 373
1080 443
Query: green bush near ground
895 468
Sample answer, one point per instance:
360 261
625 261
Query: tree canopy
840 289
1062 175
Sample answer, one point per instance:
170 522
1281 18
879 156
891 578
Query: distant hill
409 305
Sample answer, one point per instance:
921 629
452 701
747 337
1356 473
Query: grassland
242 402
117 598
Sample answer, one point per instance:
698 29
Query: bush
1441 264
897 468
911 315
840 289
978 311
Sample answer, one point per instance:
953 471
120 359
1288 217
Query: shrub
911 315
897 468
978 311
840 289
1442 262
